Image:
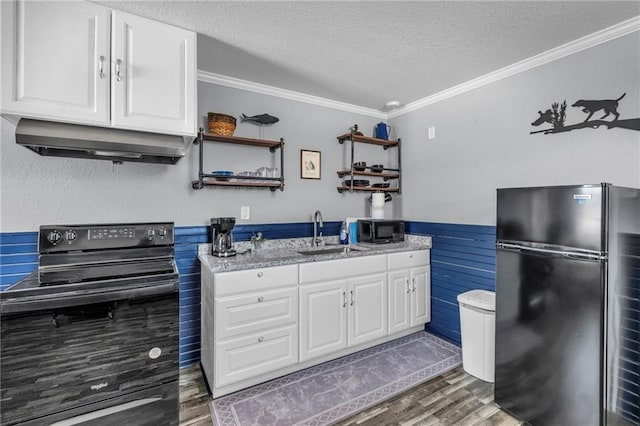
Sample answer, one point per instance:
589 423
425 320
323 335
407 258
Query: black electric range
91 337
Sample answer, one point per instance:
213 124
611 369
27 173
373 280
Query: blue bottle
344 234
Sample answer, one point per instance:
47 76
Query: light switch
431 132
245 212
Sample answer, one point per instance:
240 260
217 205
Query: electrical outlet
245 212
431 132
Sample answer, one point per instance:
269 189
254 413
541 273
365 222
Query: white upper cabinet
52 54
83 63
153 78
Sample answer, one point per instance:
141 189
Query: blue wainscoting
463 258
18 256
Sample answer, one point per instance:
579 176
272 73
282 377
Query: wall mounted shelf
208 179
365 139
365 189
386 174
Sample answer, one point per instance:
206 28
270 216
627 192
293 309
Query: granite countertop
285 252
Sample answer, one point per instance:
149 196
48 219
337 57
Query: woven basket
221 124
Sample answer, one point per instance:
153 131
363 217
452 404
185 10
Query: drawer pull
118 76
260 274
344 299
353 299
101 73
408 287
260 299
413 280
410 256
260 339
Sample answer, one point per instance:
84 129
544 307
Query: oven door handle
65 300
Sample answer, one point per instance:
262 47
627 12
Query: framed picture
309 164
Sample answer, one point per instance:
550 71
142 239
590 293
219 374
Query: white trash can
478 330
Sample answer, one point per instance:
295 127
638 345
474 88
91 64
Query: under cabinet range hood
99 143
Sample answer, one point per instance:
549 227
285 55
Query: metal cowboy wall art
557 115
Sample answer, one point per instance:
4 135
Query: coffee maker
222 242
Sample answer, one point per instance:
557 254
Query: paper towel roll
377 205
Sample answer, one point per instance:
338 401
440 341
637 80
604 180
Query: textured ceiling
366 53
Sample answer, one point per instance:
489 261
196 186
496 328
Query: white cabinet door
153 80
399 301
52 57
367 308
255 354
323 318
420 295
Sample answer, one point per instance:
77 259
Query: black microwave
380 231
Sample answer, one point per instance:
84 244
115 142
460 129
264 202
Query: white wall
483 142
47 190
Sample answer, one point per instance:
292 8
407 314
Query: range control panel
57 238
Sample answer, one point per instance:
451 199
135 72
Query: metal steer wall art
557 115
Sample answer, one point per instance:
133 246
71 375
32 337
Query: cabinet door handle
353 299
260 339
413 281
260 299
260 274
101 73
118 76
344 299
408 287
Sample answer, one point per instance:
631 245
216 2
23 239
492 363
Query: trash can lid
482 299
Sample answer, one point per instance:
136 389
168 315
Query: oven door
84 357
149 407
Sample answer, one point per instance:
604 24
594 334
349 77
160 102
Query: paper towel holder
387 198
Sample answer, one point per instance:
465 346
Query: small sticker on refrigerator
581 198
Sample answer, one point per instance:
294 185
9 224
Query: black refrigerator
567 275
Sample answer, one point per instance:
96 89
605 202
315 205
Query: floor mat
337 389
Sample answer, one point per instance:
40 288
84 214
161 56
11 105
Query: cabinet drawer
408 259
342 268
256 354
247 313
252 280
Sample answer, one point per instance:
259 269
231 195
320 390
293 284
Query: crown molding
237 83
619 30
583 43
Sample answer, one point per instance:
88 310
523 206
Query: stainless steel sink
329 250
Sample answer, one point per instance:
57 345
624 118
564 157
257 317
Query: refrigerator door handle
579 255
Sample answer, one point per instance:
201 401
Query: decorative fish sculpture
260 119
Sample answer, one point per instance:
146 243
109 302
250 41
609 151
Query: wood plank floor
454 398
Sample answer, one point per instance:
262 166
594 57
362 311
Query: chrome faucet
317 223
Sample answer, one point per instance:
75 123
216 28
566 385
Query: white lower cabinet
420 295
255 354
323 318
367 317
409 289
254 329
245 313
340 313
259 324
399 301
